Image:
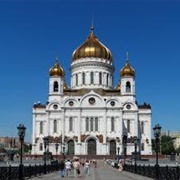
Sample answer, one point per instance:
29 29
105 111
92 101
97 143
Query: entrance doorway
112 147
70 149
91 147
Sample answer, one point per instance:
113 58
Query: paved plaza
103 171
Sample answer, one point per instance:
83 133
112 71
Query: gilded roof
56 70
127 70
92 47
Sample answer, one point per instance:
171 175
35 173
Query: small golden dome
92 47
56 70
65 87
118 87
127 70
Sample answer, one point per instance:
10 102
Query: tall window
87 124
83 78
128 126
41 146
55 126
107 79
92 77
112 123
100 78
142 146
56 86
96 124
91 124
128 86
76 79
41 128
142 127
70 124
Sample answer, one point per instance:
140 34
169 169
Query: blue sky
33 33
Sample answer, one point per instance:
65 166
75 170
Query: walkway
103 171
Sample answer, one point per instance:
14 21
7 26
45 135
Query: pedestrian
120 164
68 165
87 167
62 168
76 166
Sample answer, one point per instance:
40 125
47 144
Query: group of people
67 167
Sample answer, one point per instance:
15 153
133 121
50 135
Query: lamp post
124 146
56 146
157 132
64 152
136 141
21 133
46 141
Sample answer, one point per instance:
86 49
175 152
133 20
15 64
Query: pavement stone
103 171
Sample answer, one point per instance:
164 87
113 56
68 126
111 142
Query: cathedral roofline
103 92
144 106
39 105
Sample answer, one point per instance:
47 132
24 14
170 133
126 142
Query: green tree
167 145
2 150
178 150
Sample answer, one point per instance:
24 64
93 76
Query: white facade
92 116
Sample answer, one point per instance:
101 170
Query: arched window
55 126
128 86
92 78
142 146
96 124
128 125
41 146
87 124
83 78
70 124
41 128
142 127
100 78
112 123
91 124
107 79
56 86
76 79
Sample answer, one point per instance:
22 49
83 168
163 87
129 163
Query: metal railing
165 172
12 172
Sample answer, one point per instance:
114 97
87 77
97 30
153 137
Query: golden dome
92 47
56 70
118 87
65 87
127 70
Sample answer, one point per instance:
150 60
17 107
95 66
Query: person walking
62 168
68 168
87 167
76 166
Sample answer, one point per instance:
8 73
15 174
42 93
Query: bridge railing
164 173
12 172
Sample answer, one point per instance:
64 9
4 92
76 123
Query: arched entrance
112 147
91 147
70 149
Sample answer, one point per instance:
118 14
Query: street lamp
46 142
136 141
64 152
21 133
124 146
56 146
118 150
157 132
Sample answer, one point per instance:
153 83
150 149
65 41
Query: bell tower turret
56 81
127 75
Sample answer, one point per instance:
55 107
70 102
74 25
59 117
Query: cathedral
91 116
